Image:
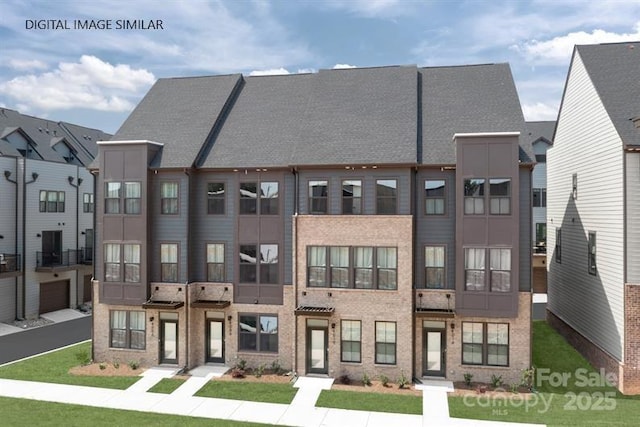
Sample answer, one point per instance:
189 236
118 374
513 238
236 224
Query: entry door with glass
169 341
317 346
215 341
434 352
51 248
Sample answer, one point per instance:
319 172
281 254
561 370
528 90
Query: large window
351 344
485 344
434 196
541 233
132 263
318 197
248 264
267 264
363 268
591 259
559 245
87 202
351 197
474 266
258 333
386 196
539 197
474 196
500 263
169 198
115 262
215 262
112 262
269 198
386 343
169 262
387 268
128 329
248 198
132 197
434 276
500 196
51 201
215 198
112 192
317 266
339 266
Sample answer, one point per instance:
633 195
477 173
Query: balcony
9 265
86 256
69 259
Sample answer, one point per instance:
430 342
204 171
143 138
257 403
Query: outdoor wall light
229 317
38 235
151 319
333 326
452 326
1 237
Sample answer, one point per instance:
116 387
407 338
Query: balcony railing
51 260
9 263
86 255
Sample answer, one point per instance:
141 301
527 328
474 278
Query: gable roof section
614 70
540 131
180 113
468 99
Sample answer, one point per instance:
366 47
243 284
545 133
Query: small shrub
384 380
528 377
496 381
276 368
366 380
237 373
259 370
83 357
116 364
403 381
481 389
514 388
102 366
134 364
467 379
242 365
344 379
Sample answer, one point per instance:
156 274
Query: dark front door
435 350
51 248
215 340
169 341
317 350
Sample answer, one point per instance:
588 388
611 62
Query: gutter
7 174
77 187
295 269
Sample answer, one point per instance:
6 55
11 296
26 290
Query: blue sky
96 77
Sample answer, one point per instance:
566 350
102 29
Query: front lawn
253 391
54 368
378 402
167 385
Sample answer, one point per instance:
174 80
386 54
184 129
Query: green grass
379 402
256 392
53 368
22 412
167 385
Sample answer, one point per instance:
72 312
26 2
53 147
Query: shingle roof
179 112
614 70
461 99
540 130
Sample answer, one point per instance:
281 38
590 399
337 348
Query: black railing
58 259
86 255
9 263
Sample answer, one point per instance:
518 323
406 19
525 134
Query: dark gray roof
468 99
179 112
541 130
614 70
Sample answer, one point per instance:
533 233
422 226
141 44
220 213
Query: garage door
7 300
87 288
54 296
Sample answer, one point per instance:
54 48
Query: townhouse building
370 220
593 223
46 215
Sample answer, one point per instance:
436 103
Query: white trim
484 134
133 141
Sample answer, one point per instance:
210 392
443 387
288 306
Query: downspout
187 287
77 187
295 269
34 177
93 301
7 174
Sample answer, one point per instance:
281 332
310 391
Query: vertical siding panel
525 230
633 217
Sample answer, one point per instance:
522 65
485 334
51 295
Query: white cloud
343 66
90 83
371 8
269 72
27 64
539 111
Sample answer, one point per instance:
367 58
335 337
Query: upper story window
591 259
351 197
500 196
87 203
169 262
434 196
386 196
387 268
500 264
215 262
318 194
132 263
132 197
269 198
215 198
112 193
115 263
266 268
474 196
51 201
475 269
574 186
541 158
559 245
434 267
539 197
248 198
169 198
269 263
339 266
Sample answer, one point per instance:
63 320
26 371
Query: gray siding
539 180
8 227
289 201
525 230
633 217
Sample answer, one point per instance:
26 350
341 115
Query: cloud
90 83
343 66
370 8
539 111
269 72
27 64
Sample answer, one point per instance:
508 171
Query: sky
95 77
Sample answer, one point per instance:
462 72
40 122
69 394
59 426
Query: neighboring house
593 210
46 214
540 134
370 220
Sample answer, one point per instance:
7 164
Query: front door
435 350
169 341
215 341
317 346
51 248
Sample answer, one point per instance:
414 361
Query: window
132 263
591 260
352 197
51 201
386 196
500 196
339 256
474 196
112 197
128 329
215 198
500 263
387 268
434 196
434 267
169 262
386 343
269 264
248 198
474 265
574 186
317 266
539 197
215 262
269 198
485 344
258 333
541 233
112 262
132 197
541 158
169 198
351 346
248 265
318 197
363 268
87 202
559 245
